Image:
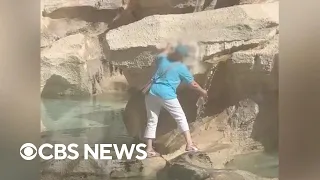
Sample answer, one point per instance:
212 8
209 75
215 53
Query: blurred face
179 54
176 56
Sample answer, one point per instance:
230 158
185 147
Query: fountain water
201 101
199 5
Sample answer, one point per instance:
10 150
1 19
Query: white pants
154 105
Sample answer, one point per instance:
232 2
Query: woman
169 74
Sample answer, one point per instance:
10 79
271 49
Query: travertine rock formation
141 39
88 47
219 32
55 29
72 55
70 66
248 71
49 6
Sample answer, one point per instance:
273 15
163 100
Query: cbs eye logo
28 151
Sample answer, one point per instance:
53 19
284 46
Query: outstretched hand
168 48
204 93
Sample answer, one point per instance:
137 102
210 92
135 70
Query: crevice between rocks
85 13
230 87
233 49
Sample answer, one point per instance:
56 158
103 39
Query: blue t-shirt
165 87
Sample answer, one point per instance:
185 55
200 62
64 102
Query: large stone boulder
236 123
107 169
239 23
216 4
72 66
143 8
239 126
261 59
250 47
198 166
49 6
222 31
190 167
55 29
135 10
256 1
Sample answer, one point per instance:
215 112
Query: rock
189 166
102 168
219 32
262 59
72 66
143 8
256 1
199 159
178 26
216 4
55 29
178 6
202 131
250 176
238 126
72 169
247 73
253 71
152 165
235 124
198 166
187 172
237 79
225 175
49 6
127 169
145 168
138 9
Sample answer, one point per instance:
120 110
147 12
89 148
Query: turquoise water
99 120
259 163
84 120
63 113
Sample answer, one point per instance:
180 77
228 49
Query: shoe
192 148
153 154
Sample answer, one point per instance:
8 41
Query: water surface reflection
95 119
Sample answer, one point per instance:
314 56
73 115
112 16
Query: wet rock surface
189 166
105 169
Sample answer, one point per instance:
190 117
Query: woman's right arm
187 77
194 85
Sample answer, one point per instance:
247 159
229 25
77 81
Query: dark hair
179 53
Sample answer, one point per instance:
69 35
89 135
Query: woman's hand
169 48
204 93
